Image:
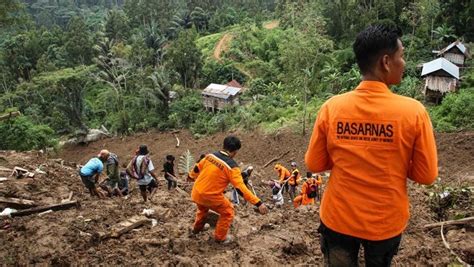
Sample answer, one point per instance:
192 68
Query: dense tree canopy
133 65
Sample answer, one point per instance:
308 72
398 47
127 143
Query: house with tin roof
441 77
219 96
456 53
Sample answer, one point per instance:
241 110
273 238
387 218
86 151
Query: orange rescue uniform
303 198
215 172
283 173
372 140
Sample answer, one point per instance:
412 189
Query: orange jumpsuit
303 198
283 173
372 140
216 170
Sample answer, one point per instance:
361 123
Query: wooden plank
54 207
120 228
275 159
17 202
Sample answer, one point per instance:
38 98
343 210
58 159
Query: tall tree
185 58
116 25
79 41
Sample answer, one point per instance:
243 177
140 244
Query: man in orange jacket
309 192
283 176
372 140
216 170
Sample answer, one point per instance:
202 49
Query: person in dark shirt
168 168
246 177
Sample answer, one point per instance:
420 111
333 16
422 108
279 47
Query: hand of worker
262 209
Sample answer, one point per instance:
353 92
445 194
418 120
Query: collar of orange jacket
373 86
225 153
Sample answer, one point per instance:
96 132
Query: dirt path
223 45
271 24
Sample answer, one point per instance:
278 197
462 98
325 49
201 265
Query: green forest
72 65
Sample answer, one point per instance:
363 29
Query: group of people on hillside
140 168
370 139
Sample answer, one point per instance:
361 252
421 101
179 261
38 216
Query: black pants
171 182
343 250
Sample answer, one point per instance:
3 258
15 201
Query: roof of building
220 90
440 64
234 83
456 44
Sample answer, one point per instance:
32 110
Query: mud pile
284 236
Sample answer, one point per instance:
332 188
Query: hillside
284 236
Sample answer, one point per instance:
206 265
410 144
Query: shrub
455 112
22 134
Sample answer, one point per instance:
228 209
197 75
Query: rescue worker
90 172
194 172
111 184
319 184
372 140
294 180
283 175
309 191
215 171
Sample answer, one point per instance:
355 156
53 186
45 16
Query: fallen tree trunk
54 207
452 222
9 115
275 159
17 202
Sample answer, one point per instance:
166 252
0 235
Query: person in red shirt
372 140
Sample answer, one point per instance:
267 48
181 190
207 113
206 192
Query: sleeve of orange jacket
238 182
281 172
317 157
424 162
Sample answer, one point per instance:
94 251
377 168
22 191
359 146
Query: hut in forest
218 96
441 76
456 53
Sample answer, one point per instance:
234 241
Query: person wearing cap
142 169
216 171
294 180
168 169
246 177
373 141
91 171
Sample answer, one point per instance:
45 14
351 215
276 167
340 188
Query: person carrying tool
168 169
309 192
216 171
90 172
283 175
372 140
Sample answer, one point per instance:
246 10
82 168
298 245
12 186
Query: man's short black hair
232 143
375 41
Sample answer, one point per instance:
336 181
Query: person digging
215 172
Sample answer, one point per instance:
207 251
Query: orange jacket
194 172
216 170
283 173
295 177
371 140
305 189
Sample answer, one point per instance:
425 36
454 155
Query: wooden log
17 202
121 228
276 158
177 140
451 222
54 207
9 115
3 169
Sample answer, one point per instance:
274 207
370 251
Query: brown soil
271 24
284 236
223 45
